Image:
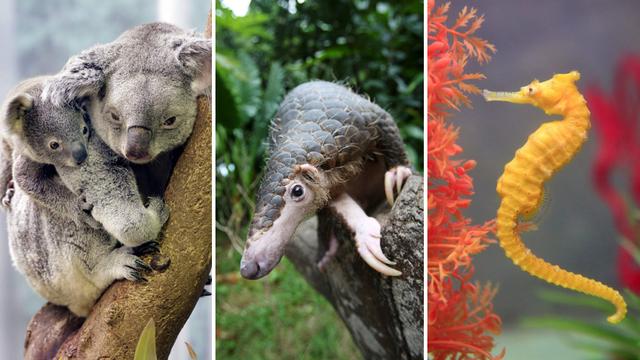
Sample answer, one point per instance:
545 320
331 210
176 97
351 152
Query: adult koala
141 91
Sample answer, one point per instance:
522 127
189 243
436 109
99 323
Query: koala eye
297 192
115 117
85 130
54 145
169 123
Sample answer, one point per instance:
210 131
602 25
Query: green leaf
413 131
632 299
240 75
273 94
603 332
572 299
226 110
146 348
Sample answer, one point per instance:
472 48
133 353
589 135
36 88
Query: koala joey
142 89
104 183
34 140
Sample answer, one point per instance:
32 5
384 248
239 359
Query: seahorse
520 187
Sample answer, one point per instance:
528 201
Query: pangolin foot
330 253
367 236
395 178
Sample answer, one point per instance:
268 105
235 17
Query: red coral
616 121
460 313
459 327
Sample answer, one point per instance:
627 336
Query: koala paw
83 204
6 200
129 266
83 218
160 207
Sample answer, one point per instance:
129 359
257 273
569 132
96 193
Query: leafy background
375 47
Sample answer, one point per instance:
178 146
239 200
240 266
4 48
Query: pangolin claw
373 244
395 176
368 244
376 263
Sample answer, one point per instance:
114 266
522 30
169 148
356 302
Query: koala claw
147 248
142 265
134 274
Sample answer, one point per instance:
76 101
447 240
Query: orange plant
460 317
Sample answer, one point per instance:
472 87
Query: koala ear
194 55
15 111
83 75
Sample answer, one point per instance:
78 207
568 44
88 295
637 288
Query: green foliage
621 341
146 347
278 317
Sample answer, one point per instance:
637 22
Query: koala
34 140
103 182
71 262
141 91
108 183
68 264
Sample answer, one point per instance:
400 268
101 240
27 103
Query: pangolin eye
297 191
54 145
169 122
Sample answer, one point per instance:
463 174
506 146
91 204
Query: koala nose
138 140
78 152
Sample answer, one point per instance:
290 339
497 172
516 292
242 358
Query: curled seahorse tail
521 256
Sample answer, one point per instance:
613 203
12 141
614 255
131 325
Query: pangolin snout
253 269
250 270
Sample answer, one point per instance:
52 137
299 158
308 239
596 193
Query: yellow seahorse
547 150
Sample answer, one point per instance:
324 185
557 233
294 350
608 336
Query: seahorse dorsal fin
572 76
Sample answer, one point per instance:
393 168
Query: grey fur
148 75
65 260
28 126
66 263
107 182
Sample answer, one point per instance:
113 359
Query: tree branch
113 328
384 315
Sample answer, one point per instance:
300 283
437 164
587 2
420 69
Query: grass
277 317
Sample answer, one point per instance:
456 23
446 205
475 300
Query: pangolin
328 147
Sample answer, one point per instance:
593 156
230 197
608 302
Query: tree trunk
114 326
383 314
